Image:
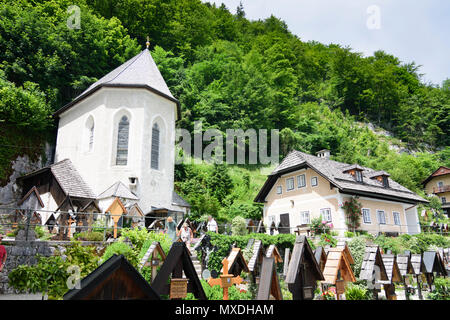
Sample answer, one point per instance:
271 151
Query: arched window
89 146
91 137
155 147
122 141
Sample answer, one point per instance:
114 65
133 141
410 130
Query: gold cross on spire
148 42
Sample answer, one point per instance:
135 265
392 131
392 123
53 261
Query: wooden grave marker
406 268
321 257
254 265
337 270
303 271
272 252
372 268
419 271
269 284
433 265
236 262
177 262
157 256
225 280
393 273
116 210
287 257
115 279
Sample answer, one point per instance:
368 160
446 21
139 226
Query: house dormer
325 154
356 171
381 176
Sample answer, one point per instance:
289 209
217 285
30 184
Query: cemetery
138 263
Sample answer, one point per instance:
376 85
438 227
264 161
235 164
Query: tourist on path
3 254
186 234
171 229
212 225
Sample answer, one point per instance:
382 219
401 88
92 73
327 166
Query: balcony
437 190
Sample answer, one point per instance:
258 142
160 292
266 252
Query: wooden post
419 288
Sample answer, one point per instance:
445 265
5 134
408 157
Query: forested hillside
228 72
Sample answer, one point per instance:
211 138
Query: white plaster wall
97 167
412 220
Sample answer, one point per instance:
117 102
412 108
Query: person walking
186 234
171 229
3 254
212 225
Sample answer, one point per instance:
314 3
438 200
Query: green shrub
50 274
216 293
89 236
224 242
349 234
357 248
441 291
121 248
238 226
357 292
327 240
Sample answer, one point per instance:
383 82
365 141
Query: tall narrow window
366 216
122 141
91 137
155 147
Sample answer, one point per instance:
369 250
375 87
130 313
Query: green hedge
224 242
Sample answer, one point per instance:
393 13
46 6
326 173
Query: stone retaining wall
25 252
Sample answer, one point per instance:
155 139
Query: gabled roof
269 283
337 261
372 258
115 279
33 191
179 255
404 264
433 263
179 201
392 268
138 72
417 263
334 172
119 190
236 262
441 171
301 253
68 179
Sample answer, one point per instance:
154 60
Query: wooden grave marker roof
417 263
372 258
178 260
337 264
256 256
115 279
272 251
269 283
433 263
321 257
287 255
404 264
343 244
155 248
303 270
392 269
236 262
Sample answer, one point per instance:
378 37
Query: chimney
325 154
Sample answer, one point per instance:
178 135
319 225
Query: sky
412 30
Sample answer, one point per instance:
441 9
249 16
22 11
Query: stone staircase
196 262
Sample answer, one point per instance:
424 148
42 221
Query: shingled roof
68 178
138 72
119 190
179 201
334 172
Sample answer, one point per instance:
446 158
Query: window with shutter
155 147
122 142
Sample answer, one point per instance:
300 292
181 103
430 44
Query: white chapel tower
121 132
